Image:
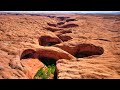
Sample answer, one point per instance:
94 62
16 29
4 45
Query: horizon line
63 12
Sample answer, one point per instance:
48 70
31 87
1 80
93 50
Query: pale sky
104 12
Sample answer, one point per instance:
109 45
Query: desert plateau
59 46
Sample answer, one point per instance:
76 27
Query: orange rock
53 25
33 65
65 37
83 69
91 35
53 52
49 39
69 25
77 48
53 29
68 20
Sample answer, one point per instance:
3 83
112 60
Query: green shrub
51 69
42 74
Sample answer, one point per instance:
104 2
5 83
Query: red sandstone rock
33 65
69 25
50 24
49 39
60 23
84 69
53 52
62 32
68 20
65 37
53 29
18 32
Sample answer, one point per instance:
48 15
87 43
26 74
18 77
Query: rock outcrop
69 20
33 65
84 69
69 25
49 39
82 46
50 24
53 52
53 29
64 37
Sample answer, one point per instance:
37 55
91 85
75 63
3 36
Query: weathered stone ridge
83 46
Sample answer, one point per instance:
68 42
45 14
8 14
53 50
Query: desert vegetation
45 73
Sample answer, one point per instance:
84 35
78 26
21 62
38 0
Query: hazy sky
105 12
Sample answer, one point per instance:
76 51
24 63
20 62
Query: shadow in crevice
87 50
84 54
48 41
28 53
49 62
69 26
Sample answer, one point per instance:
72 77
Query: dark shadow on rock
68 20
50 24
69 26
86 50
29 53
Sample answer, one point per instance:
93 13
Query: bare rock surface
49 39
54 52
84 46
33 66
85 69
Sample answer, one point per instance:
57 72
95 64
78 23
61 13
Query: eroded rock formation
81 46
49 39
69 25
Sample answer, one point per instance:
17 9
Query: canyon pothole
29 53
48 40
53 29
49 55
86 50
65 37
50 24
68 20
69 25
60 23
47 61
32 60
81 50
48 72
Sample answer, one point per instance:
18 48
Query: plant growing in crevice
45 73
40 74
